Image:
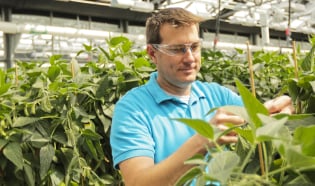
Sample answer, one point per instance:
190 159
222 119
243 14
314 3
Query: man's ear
151 52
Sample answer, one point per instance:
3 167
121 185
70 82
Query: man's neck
181 90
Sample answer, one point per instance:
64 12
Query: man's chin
187 81
189 77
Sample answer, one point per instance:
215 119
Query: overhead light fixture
134 5
142 6
122 3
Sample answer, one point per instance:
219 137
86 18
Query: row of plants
55 115
55 119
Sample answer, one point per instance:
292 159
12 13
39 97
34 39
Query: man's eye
194 47
176 49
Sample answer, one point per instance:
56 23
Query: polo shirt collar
160 95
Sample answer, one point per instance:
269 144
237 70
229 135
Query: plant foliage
55 119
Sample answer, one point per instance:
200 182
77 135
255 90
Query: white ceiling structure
39 36
297 15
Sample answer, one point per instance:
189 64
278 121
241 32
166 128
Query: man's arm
142 170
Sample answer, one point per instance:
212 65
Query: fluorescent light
142 6
122 3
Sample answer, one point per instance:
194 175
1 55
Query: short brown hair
175 16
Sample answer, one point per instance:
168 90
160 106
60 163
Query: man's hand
281 104
220 118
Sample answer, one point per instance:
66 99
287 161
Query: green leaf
103 85
141 62
90 148
305 137
200 126
23 121
196 160
13 152
59 135
293 89
4 87
2 144
245 132
120 66
88 48
271 128
297 159
308 61
38 140
117 40
188 176
252 105
89 134
53 72
46 156
38 83
222 165
29 175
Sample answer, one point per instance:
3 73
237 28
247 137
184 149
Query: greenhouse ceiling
36 36
297 15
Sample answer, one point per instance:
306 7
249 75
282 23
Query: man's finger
279 104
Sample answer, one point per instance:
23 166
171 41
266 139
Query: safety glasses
178 49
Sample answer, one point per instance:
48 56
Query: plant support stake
252 84
296 70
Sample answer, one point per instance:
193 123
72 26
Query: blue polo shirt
142 122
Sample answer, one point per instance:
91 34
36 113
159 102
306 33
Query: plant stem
16 74
252 83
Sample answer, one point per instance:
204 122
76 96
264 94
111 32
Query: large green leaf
200 126
23 121
222 165
2 144
89 146
297 160
92 135
38 141
59 135
305 137
29 174
53 72
46 156
252 105
13 152
271 128
104 83
293 89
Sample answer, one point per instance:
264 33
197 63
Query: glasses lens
181 49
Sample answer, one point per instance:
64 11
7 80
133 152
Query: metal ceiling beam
228 28
118 14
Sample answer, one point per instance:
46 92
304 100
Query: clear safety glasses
178 49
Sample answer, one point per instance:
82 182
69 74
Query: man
147 145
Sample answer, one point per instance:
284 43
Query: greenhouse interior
86 100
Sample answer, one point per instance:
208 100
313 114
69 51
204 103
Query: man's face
176 63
